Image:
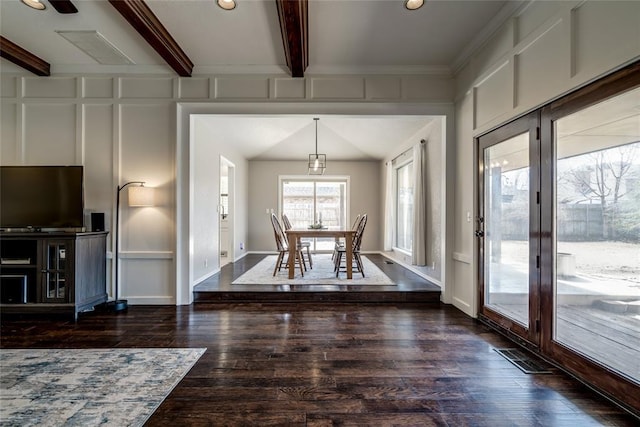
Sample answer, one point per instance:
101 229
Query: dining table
295 234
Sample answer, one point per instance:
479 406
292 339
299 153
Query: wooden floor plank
343 364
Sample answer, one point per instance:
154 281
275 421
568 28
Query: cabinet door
56 280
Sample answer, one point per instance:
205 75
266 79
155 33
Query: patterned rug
321 274
88 387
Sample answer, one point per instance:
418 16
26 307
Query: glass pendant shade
317 162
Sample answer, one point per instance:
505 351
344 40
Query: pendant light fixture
317 162
227 4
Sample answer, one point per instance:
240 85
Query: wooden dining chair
357 242
340 240
282 245
301 244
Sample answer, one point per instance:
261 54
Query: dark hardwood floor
409 287
331 364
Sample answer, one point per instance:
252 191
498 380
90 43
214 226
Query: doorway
226 211
558 235
509 217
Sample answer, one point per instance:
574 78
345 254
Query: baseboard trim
411 269
157 300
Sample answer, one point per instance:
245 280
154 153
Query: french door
559 232
509 218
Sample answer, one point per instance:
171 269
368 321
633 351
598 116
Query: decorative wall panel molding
617 39
542 66
379 88
194 88
494 95
146 88
54 129
337 88
51 87
424 88
242 88
97 87
8 87
289 88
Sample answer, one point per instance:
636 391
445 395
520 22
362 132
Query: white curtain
389 209
419 244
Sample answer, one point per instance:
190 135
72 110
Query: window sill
402 251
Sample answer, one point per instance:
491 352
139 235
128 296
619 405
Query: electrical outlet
241 246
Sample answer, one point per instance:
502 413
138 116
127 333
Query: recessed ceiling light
35 4
413 4
227 4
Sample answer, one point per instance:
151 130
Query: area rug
321 274
88 387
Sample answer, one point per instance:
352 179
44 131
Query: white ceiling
294 137
345 36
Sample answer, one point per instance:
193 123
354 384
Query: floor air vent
524 362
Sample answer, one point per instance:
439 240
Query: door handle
479 233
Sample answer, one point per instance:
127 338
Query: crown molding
509 10
430 70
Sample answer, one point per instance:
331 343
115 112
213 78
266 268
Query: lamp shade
141 196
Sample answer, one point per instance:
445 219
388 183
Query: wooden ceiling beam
145 22
294 26
63 6
22 57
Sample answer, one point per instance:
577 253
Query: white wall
120 132
550 48
263 194
131 128
207 147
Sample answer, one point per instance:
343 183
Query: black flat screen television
41 197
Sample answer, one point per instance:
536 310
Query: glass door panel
55 273
506 228
331 209
597 233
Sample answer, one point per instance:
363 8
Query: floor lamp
138 196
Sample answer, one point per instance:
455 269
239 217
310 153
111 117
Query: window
308 201
404 206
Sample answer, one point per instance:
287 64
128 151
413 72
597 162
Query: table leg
292 255
348 243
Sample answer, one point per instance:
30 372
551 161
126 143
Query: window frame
398 163
346 179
